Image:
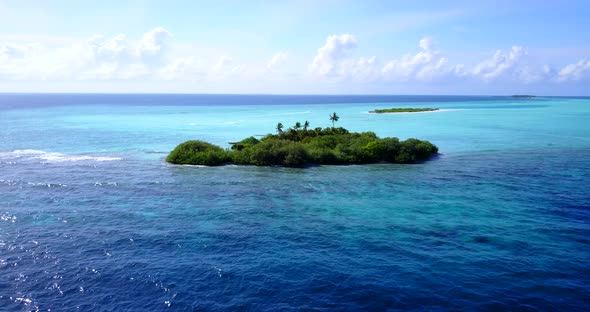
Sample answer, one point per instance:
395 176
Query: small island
402 110
525 96
300 146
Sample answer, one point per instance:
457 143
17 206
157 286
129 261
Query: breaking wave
53 157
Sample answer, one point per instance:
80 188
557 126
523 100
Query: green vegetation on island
300 146
526 96
402 110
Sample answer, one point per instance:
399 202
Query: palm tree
334 118
297 126
305 125
280 128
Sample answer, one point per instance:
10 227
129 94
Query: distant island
300 146
523 96
402 110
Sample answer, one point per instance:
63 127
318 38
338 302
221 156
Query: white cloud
276 60
528 73
425 43
500 63
361 70
16 51
98 58
111 59
426 65
153 57
134 71
333 61
514 65
108 50
328 58
153 43
576 71
225 68
186 68
224 62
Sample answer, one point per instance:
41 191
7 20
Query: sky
296 47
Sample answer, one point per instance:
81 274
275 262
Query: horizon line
280 94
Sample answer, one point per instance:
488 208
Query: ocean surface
93 219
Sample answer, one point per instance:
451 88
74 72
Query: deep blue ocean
93 219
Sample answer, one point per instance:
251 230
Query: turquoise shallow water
93 219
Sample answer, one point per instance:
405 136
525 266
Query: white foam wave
28 152
106 184
46 184
52 157
58 157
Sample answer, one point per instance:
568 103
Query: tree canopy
334 118
303 147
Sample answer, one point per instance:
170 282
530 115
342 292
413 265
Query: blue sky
319 47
